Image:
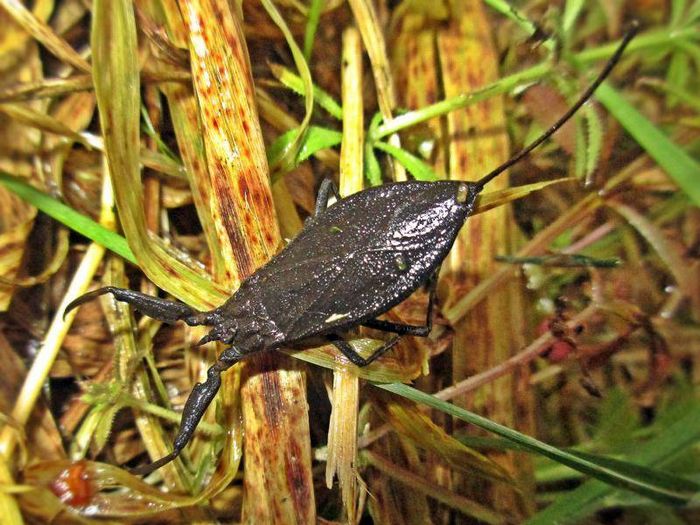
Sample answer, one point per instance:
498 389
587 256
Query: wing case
357 259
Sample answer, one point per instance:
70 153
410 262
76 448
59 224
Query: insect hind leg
196 405
355 358
410 329
160 309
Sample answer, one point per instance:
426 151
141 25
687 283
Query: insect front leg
409 329
355 358
160 309
196 405
324 195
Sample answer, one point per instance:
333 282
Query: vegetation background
174 145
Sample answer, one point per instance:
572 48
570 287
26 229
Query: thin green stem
505 84
460 101
311 27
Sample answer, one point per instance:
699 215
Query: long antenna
631 32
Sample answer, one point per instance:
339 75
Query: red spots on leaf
243 189
463 165
73 485
219 11
261 200
220 171
430 94
246 127
231 222
297 479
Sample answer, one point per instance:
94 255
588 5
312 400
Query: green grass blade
581 502
311 27
680 166
415 166
294 82
611 476
69 217
316 138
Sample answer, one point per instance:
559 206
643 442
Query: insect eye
462 193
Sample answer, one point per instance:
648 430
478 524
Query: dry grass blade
494 199
43 33
116 80
373 39
345 395
240 206
162 100
493 330
239 201
41 121
45 88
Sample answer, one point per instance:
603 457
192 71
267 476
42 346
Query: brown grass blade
116 80
345 396
493 330
44 34
367 21
278 477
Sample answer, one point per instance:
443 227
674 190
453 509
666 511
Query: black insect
352 262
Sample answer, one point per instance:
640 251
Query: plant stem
505 84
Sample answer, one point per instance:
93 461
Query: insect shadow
352 262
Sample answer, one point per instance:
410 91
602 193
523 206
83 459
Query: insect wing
359 258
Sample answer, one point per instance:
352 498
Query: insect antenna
631 32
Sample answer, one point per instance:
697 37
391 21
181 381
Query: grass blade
69 217
603 473
680 166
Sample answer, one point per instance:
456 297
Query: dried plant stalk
373 39
342 434
477 143
278 477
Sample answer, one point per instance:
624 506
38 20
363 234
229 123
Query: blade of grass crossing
680 166
608 475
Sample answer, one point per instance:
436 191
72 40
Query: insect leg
200 398
355 358
324 194
160 309
409 329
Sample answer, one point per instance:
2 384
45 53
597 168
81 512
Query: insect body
352 262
